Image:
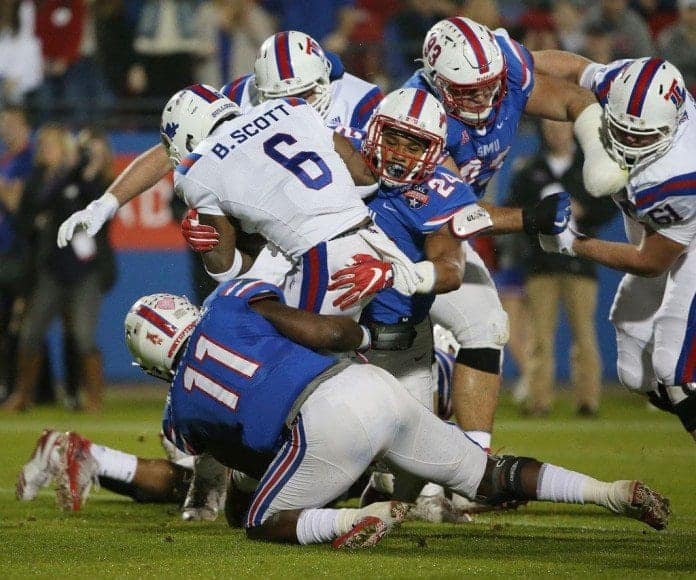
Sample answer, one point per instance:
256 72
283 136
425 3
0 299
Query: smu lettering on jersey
479 153
352 99
238 378
407 215
276 170
660 194
445 368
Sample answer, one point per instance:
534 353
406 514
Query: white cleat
438 509
77 472
206 494
636 500
381 519
39 471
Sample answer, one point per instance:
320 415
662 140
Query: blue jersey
407 215
479 153
238 378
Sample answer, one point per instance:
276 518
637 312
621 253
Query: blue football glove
550 216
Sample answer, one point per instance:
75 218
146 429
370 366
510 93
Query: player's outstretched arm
141 174
317 331
560 64
653 257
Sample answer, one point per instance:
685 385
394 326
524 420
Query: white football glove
601 175
560 243
91 219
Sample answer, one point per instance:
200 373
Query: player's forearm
141 174
618 256
506 220
448 275
561 64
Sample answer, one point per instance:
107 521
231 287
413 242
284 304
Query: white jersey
660 194
352 99
274 169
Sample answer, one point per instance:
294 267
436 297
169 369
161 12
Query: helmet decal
640 89
474 42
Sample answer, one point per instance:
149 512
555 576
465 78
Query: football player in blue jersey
250 389
486 81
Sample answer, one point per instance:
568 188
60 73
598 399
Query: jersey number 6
295 163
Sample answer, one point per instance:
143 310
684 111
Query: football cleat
207 492
77 472
438 509
39 471
370 529
643 503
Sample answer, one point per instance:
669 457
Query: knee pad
486 360
680 400
506 479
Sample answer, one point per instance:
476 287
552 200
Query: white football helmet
293 64
190 116
644 105
465 65
157 327
412 113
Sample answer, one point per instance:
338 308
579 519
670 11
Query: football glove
364 277
549 216
91 219
200 238
560 243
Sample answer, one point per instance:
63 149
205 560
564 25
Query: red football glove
366 276
199 237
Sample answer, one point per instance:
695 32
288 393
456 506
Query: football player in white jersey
290 64
276 171
650 129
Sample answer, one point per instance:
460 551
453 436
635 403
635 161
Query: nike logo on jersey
388 207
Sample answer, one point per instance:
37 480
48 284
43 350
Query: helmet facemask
396 162
472 104
630 146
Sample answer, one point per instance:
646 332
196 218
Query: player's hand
91 219
549 216
560 243
364 277
199 237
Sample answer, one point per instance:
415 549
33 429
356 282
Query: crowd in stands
113 61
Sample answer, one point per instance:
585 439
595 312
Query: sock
481 438
114 464
316 526
564 486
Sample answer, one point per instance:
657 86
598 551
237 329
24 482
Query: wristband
366 339
426 273
232 272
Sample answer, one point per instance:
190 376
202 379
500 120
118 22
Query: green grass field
114 537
